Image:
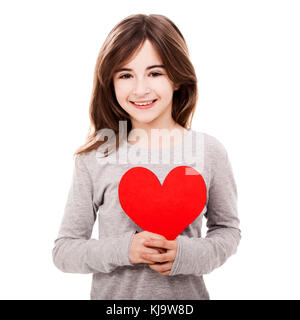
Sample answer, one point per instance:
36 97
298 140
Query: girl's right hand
137 248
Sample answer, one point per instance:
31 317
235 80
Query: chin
147 119
146 122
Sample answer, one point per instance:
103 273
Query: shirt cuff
110 253
178 258
124 252
185 259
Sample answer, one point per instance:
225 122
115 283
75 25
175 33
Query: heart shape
163 209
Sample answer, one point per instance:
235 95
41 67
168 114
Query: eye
125 76
155 74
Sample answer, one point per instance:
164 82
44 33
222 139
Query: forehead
145 55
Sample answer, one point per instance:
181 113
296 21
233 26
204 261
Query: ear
176 87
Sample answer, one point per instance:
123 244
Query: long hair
119 46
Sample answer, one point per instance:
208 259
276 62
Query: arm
74 250
198 256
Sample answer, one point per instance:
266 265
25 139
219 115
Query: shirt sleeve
198 256
74 251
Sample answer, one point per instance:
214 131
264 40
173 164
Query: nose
141 87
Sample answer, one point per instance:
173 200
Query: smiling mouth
144 104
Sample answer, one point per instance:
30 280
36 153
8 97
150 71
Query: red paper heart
163 209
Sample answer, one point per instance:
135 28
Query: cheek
164 88
122 91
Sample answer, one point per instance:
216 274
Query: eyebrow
150 67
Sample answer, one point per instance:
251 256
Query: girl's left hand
164 261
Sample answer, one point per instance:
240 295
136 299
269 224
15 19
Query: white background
246 56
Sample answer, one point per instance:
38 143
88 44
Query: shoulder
84 161
213 146
214 151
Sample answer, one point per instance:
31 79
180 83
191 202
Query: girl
145 82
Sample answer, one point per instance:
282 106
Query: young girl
145 82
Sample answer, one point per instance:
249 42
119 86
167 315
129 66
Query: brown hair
121 43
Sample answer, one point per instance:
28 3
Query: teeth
143 104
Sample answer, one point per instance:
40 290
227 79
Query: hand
163 262
137 247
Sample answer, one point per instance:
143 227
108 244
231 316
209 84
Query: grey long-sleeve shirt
93 195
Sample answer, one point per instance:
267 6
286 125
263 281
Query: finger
161 243
148 261
154 250
162 257
162 267
165 273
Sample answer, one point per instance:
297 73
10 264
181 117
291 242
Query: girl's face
144 79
